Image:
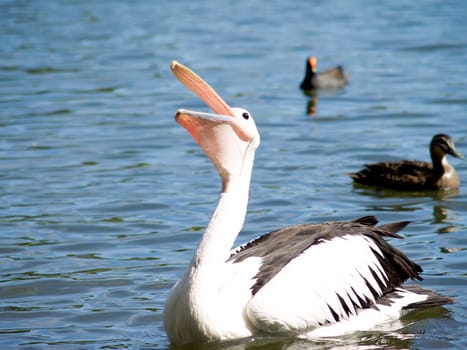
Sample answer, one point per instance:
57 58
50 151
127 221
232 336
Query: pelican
305 281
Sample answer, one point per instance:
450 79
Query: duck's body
331 78
307 280
415 175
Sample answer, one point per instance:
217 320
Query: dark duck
331 78
413 174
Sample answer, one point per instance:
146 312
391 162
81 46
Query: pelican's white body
217 304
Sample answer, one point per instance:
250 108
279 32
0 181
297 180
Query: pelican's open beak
200 88
226 135
198 123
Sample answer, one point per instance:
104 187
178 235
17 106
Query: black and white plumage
292 241
310 280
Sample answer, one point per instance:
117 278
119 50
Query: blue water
103 197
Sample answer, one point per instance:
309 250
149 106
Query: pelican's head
228 136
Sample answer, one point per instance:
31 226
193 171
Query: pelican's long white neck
227 219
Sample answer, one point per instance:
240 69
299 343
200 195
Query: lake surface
103 197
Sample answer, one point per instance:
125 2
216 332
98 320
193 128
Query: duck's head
442 144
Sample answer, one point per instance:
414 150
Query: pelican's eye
246 115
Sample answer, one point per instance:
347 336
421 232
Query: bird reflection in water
443 215
312 105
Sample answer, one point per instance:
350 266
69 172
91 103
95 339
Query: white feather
299 297
368 318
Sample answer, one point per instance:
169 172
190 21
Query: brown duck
332 78
413 174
